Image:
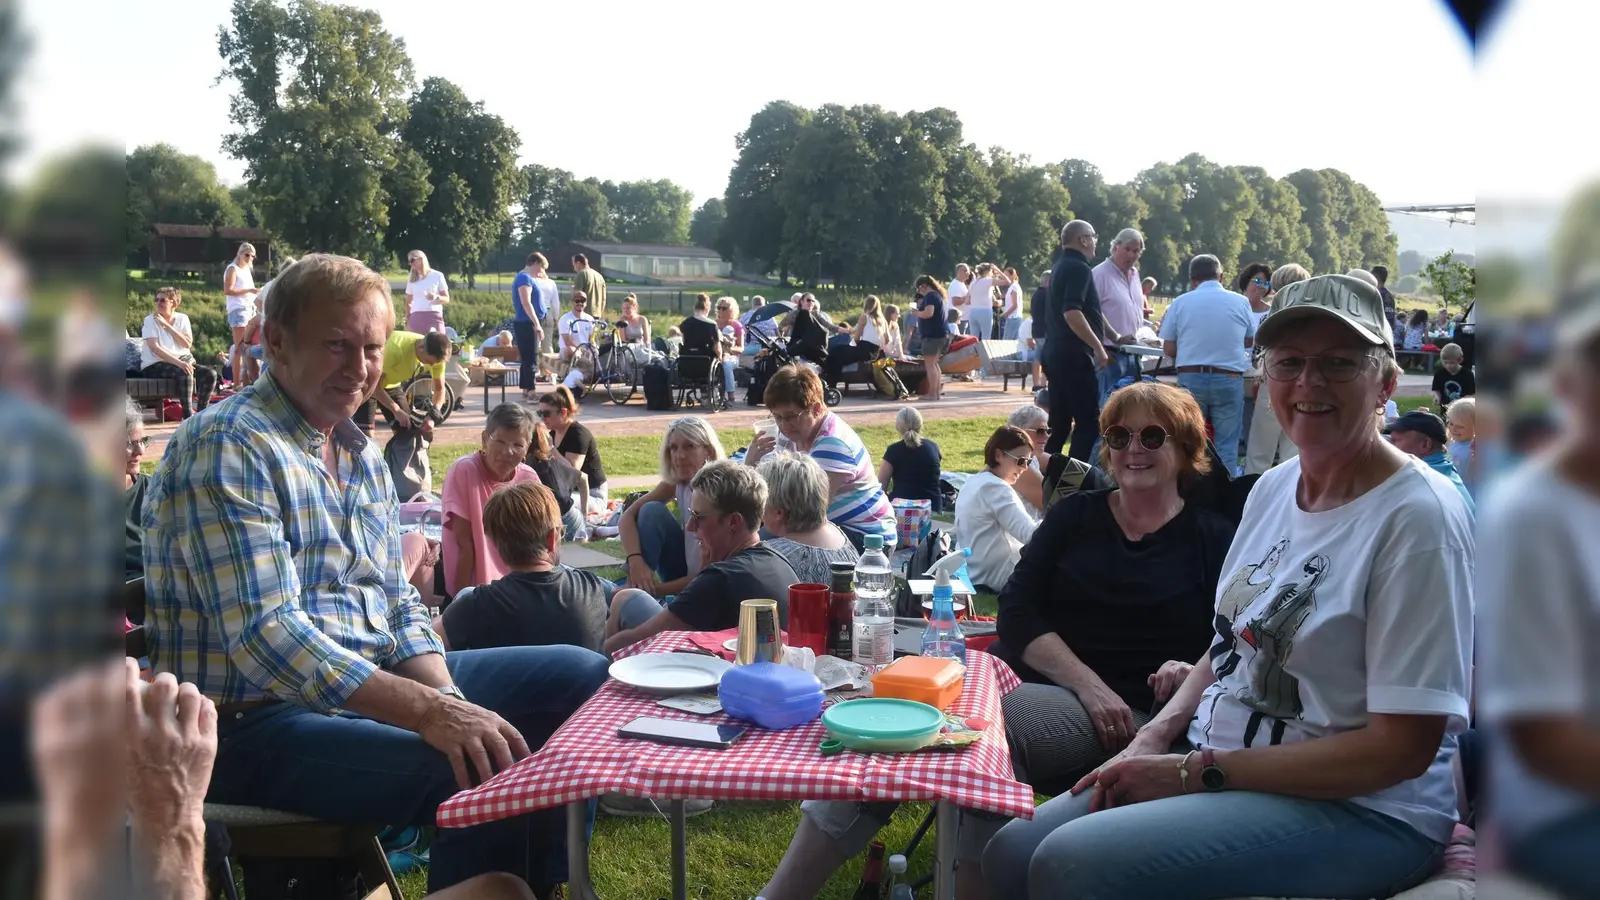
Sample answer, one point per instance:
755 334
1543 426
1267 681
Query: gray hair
132 414
733 488
909 423
1288 274
1205 267
799 487
1027 417
1127 236
699 432
510 417
1363 275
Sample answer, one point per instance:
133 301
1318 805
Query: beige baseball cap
1350 300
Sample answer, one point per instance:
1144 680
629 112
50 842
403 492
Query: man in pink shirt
1122 305
469 557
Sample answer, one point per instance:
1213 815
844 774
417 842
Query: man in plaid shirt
275 584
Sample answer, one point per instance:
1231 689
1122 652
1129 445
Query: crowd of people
1282 690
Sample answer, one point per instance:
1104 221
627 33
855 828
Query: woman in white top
797 517
168 352
239 287
870 328
1539 672
894 344
1308 751
990 517
428 293
662 555
1011 307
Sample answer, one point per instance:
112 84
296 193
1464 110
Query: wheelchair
697 379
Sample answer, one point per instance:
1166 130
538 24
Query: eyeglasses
136 445
787 418
1042 431
1023 461
1151 437
1261 282
545 413
1335 369
696 515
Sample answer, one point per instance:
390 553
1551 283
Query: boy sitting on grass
1452 380
539 601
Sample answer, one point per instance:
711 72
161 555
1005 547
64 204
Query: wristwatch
1212 778
451 690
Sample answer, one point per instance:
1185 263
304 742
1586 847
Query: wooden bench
153 393
1004 358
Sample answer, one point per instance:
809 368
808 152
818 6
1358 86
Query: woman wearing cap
1309 751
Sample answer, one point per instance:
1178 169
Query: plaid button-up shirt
265 575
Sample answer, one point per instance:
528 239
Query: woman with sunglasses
1255 283
1308 752
662 555
1052 475
990 517
558 411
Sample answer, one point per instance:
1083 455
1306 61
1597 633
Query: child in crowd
674 340
1462 421
1452 380
1416 331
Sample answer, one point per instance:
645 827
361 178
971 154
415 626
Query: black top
1453 387
916 471
1388 302
530 609
1123 607
581 440
559 476
1036 308
133 545
711 601
700 336
935 325
1072 287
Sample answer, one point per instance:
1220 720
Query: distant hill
1432 236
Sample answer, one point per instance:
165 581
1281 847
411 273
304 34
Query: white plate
670 673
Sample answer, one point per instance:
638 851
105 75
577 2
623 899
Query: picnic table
585 759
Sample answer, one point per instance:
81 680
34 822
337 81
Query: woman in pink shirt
469 558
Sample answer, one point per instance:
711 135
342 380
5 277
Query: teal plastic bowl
882 725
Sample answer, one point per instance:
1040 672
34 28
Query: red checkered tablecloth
585 758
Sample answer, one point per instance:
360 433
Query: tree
1411 263
1033 206
165 185
319 103
909 195
13 53
649 212
581 213
754 228
1451 280
826 193
705 228
1276 234
1318 211
543 190
1163 189
471 162
1218 207
964 229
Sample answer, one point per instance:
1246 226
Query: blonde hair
799 487
908 421
1466 406
244 247
733 305
416 276
1288 274
1452 351
699 432
872 308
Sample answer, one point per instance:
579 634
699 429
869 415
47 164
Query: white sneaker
624 805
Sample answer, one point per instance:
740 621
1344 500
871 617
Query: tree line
871 197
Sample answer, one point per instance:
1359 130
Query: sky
623 90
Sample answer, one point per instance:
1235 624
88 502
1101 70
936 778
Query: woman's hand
762 445
1134 779
1113 720
1167 679
641 576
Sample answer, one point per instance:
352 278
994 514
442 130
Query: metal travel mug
759 638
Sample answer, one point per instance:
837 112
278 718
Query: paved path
962 400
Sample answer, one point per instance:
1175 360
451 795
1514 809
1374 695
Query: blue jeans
1204 846
728 365
1009 328
1221 399
1559 856
661 541
359 771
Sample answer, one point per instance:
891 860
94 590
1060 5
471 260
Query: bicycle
620 371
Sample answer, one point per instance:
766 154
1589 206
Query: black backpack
939 543
657 381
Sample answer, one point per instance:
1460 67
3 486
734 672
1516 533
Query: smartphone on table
684 734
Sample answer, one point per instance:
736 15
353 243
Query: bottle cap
897 864
874 542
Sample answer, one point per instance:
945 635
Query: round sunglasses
1151 437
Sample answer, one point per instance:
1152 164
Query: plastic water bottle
943 637
874 620
898 888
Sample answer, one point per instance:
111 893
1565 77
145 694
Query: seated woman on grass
662 554
990 516
469 559
856 502
797 517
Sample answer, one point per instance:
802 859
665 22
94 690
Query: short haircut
1149 281
1075 230
1288 274
799 487
436 344
519 519
580 259
1381 273
1466 407
1174 409
320 278
537 258
795 385
1005 438
1251 271
698 431
1028 416
510 417
731 488
1205 267
1127 236
1452 351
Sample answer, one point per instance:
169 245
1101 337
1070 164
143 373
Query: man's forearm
395 699
427 669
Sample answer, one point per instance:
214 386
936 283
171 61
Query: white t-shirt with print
153 329
958 290
578 325
1325 618
1539 602
418 292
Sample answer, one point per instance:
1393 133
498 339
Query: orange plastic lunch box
934 681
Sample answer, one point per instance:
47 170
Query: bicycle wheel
421 390
622 378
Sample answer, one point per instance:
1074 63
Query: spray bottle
943 637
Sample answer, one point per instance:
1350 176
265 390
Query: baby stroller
775 355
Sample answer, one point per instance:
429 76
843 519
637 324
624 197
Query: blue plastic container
772 696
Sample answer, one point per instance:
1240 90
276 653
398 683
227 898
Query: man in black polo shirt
1074 350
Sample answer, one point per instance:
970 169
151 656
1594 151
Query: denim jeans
661 541
349 769
728 365
1120 366
1010 328
1221 399
1204 846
